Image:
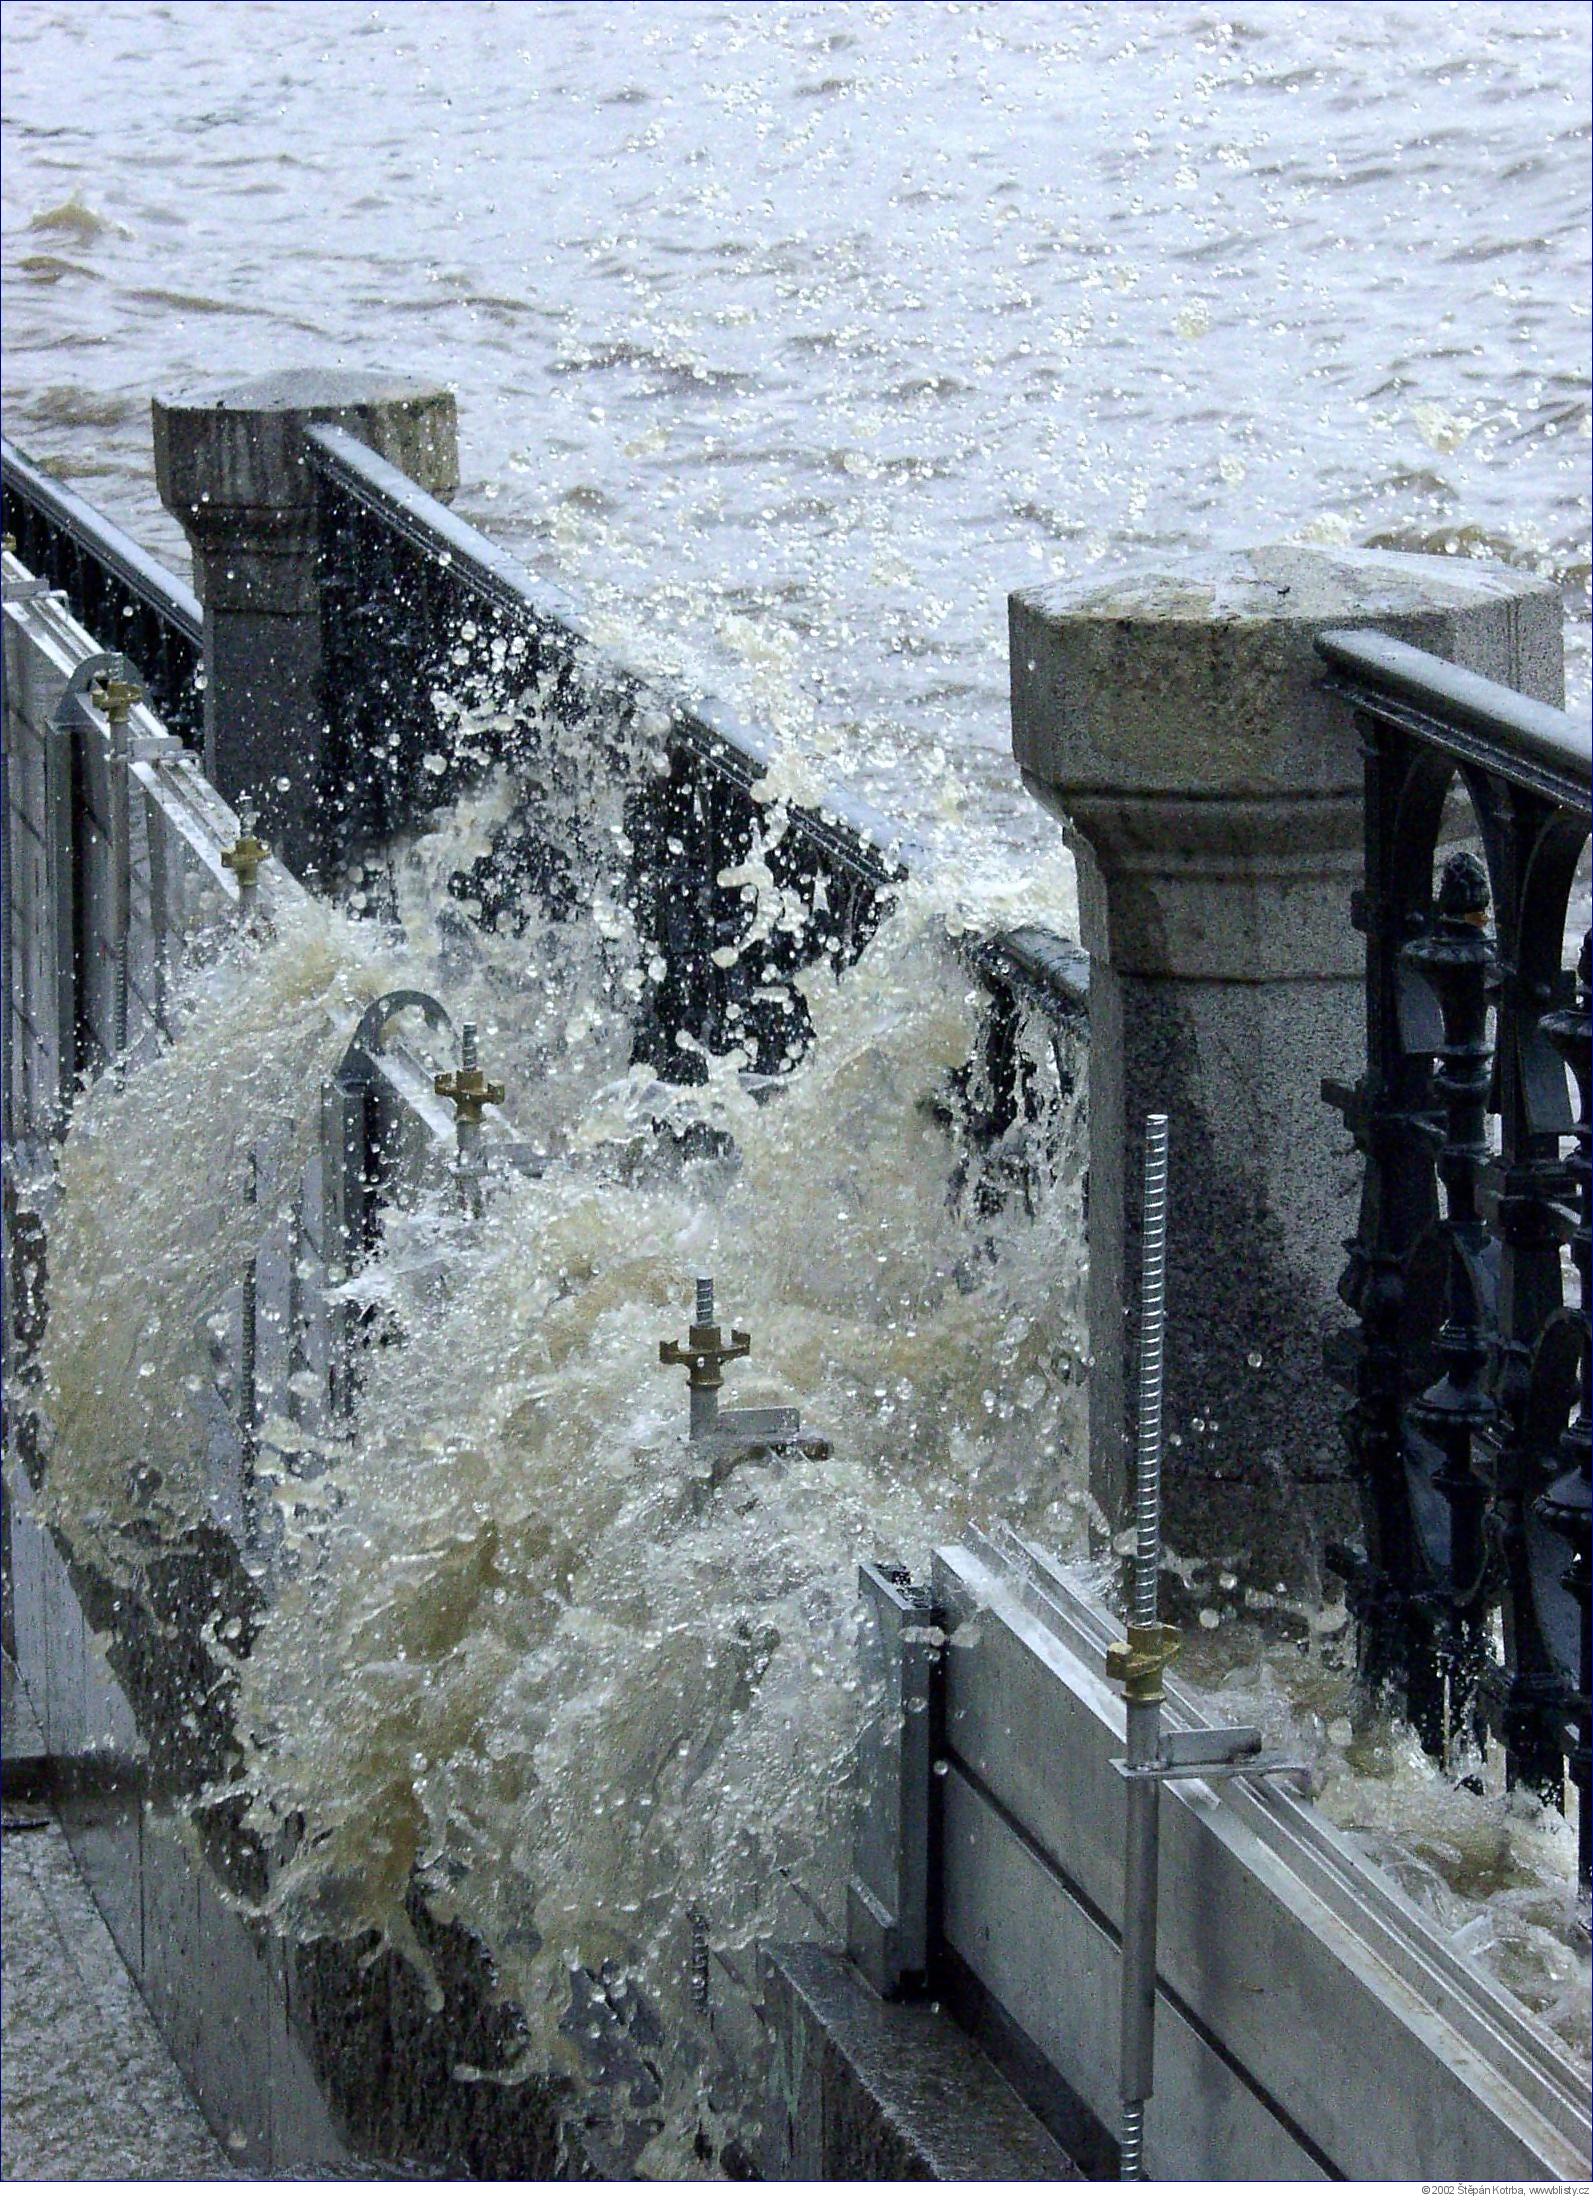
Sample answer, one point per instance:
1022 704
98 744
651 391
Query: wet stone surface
90 2091
885 2091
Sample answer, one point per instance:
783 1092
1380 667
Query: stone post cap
237 446
1201 680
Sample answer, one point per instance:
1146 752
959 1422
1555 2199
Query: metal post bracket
1218 1754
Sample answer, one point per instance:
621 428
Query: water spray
1139 1665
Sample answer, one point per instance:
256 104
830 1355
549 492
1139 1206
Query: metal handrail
716 762
105 542
1479 721
849 831
426 521
1040 963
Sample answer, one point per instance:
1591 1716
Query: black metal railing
443 656
620 782
1470 1368
125 598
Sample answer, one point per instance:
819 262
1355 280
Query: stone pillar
231 465
1211 793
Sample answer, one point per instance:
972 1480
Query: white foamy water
1495 1872
522 1638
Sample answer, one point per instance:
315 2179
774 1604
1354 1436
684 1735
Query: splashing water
152 1226
1495 1872
524 1641
552 1644
522 1638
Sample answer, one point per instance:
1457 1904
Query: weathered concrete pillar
1212 796
230 464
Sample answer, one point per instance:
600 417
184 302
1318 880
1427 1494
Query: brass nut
470 1091
115 698
704 1353
244 859
1138 1664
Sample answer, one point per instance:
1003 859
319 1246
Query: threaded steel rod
1141 1858
1152 1328
248 1363
121 871
467 1132
120 997
705 1300
701 1979
1131 2147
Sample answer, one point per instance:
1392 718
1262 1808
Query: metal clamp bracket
1214 1754
69 711
358 1066
703 1356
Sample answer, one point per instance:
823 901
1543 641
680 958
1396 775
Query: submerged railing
1471 1424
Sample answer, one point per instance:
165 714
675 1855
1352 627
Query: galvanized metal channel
1310 2023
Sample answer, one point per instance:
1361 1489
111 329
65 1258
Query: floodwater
794 337
791 339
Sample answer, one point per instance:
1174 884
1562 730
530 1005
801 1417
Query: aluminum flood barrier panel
273 2037
1311 2024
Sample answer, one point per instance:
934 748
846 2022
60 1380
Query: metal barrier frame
114 586
1311 2024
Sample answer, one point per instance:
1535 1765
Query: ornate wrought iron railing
1471 1420
122 595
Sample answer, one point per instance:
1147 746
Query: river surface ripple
793 337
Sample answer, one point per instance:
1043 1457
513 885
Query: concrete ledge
860 2088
